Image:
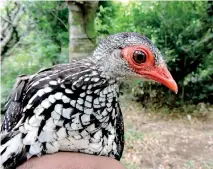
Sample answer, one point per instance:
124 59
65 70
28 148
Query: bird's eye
139 56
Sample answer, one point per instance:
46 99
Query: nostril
166 75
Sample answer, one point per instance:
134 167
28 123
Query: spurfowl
74 107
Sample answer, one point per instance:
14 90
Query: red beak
162 75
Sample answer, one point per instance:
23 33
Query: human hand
68 160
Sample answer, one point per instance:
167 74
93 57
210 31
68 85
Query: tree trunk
8 32
82 32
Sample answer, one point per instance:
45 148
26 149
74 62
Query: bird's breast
80 117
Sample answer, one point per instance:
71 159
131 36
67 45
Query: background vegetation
183 31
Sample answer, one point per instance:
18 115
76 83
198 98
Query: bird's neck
96 75
109 66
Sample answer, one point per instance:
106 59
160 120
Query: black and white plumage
71 107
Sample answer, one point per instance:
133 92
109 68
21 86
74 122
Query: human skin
67 160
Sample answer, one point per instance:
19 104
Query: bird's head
132 55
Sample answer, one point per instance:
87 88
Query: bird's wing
120 132
13 108
30 91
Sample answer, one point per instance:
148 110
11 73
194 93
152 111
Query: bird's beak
162 75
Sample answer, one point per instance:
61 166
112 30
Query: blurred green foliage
183 31
45 42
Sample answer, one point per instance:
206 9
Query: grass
132 136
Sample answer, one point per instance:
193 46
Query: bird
75 107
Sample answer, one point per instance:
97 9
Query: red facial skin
148 69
